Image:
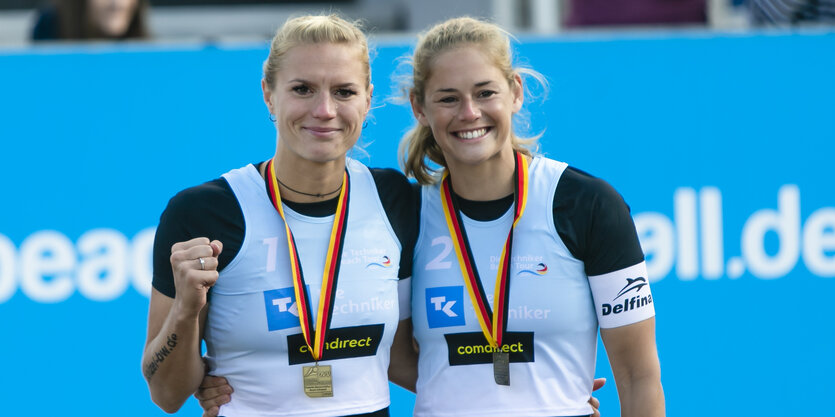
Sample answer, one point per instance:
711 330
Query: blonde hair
315 29
419 145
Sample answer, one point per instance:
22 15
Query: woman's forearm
171 363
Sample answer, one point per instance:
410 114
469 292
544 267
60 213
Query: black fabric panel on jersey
593 221
220 217
399 204
209 210
484 211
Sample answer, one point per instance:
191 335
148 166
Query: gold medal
318 381
501 368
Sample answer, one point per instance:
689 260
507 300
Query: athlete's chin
324 156
472 156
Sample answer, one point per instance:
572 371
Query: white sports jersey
552 325
253 336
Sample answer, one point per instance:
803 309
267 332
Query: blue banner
721 144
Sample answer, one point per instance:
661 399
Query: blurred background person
92 20
582 13
792 12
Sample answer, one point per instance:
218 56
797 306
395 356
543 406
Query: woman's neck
305 181
486 181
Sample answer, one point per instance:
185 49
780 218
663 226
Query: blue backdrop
721 144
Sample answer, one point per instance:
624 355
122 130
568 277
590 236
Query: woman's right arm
171 362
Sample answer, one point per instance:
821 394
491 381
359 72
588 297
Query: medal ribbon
315 339
492 325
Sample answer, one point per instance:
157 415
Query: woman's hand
594 402
214 391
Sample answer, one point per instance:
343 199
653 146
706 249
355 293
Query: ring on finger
202 264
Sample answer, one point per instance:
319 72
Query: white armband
622 297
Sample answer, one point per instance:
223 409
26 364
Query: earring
272 117
365 124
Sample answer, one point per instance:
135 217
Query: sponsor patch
445 306
342 343
622 297
472 348
281 307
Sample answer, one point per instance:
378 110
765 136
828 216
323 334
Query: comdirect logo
540 270
445 306
282 310
472 348
636 301
384 262
342 343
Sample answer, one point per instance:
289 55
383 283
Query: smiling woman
496 209
268 239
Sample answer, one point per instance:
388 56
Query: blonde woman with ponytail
519 259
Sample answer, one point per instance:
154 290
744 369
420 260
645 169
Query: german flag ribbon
493 325
315 336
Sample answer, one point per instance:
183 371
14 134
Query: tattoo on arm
153 365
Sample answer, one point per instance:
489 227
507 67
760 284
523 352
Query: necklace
317 195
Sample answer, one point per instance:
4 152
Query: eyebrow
303 81
453 90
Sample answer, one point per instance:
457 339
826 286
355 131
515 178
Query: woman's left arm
634 360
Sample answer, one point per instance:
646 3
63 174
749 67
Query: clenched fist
195 271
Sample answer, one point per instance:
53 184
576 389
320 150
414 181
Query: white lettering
710 210
47 260
7 269
272 247
786 223
818 239
655 232
684 202
141 256
103 274
438 262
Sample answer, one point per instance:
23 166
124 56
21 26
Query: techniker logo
636 301
445 306
281 307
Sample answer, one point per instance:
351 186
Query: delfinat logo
631 284
629 303
540 269
385 262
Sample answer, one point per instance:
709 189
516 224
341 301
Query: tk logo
281 308
444 306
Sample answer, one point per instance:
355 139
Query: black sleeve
207 210
594 222
398 201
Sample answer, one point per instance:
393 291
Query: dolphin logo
632 284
